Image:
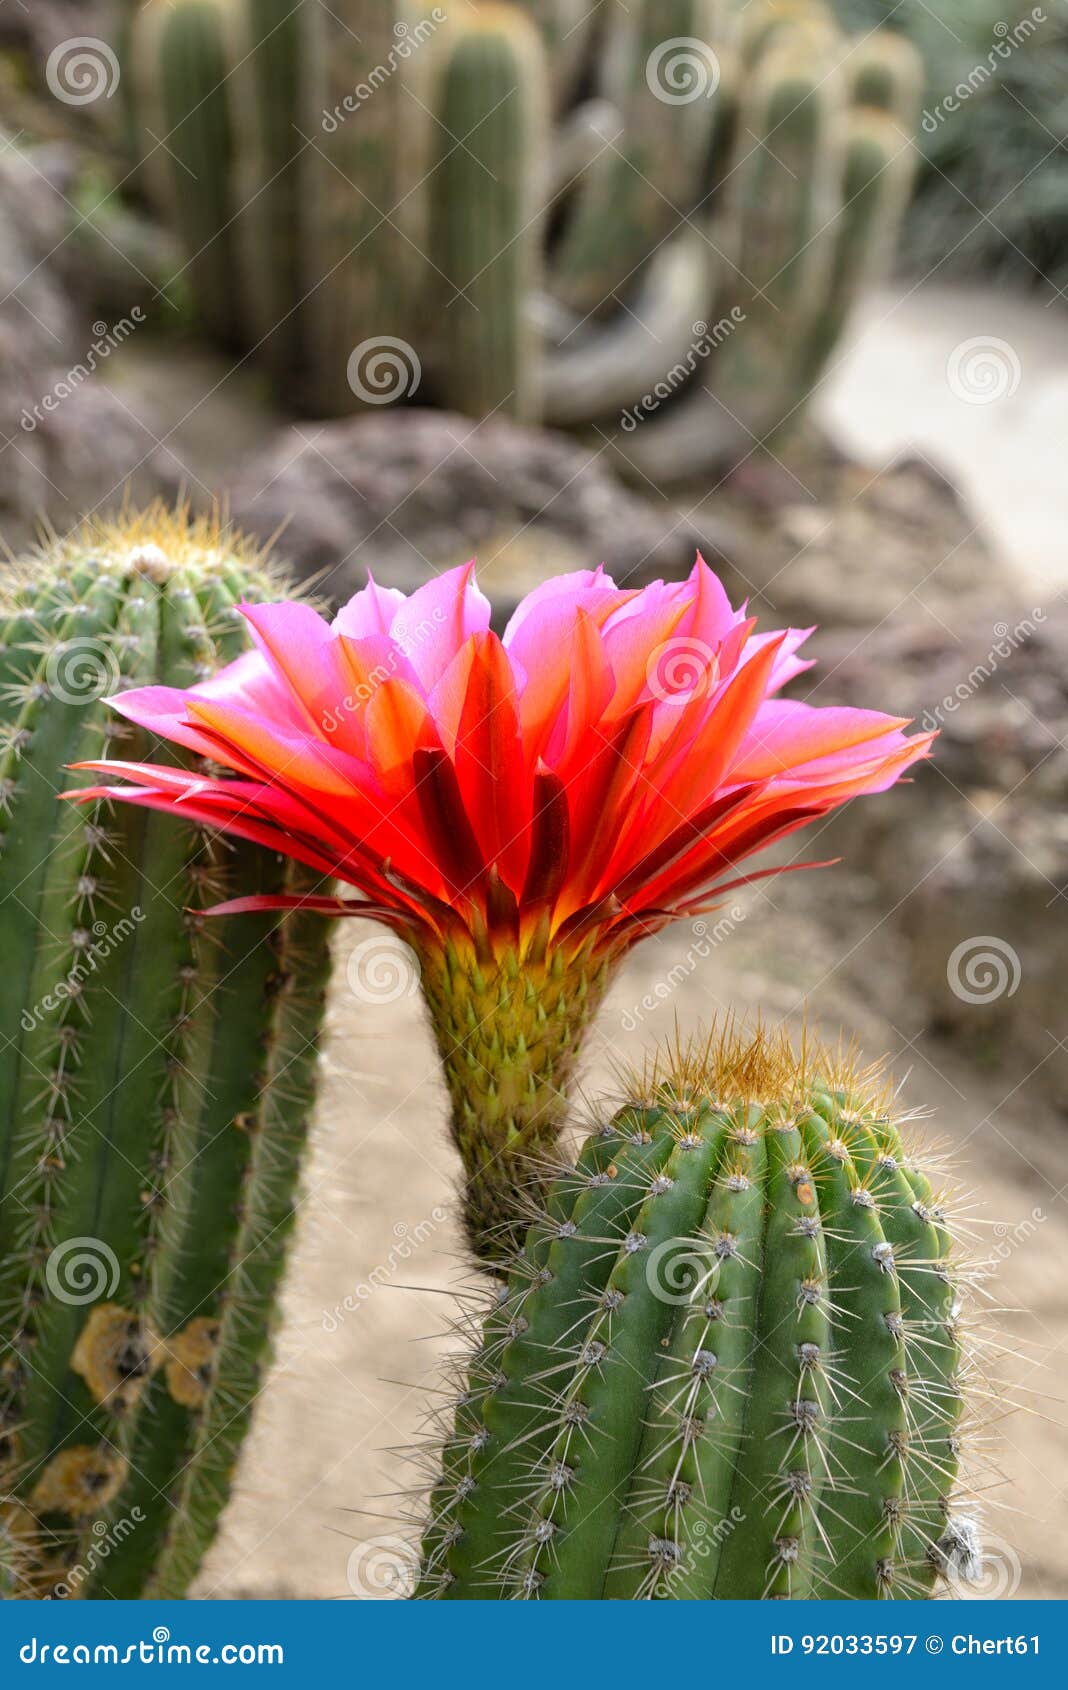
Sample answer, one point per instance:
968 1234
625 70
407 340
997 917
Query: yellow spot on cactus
191 1358
79 1481
116 1354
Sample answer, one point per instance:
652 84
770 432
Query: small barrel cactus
155 1087
724 1365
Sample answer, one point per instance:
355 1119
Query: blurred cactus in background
560 211
157 1079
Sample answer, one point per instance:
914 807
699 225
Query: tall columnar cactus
179 96
725 175
663 81
487 204
726 1363
155 1085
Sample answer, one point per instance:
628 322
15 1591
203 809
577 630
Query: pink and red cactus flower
522 809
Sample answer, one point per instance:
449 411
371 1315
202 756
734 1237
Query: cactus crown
725 1363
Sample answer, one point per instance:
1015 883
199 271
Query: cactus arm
487 200
182 93
271 116
607 367
361 265
637 190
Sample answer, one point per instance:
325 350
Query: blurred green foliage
993 196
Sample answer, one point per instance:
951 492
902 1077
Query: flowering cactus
520 810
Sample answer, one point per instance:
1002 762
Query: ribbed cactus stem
151 1102
181 97
270 100
661 72
725 1364
362 267
488 195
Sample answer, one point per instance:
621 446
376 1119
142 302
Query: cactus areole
519 810
724 1364
155 1085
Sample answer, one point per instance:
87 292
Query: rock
977 882
67 444
406 493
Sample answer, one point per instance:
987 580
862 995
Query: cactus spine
725 1364
155 1088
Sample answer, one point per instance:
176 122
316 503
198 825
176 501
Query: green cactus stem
487 201
181 98
725 1364
661 72
156 1083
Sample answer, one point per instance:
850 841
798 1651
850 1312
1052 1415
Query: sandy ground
976 379
315 1514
